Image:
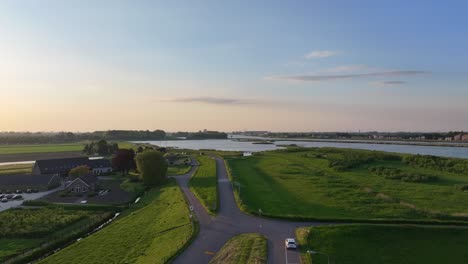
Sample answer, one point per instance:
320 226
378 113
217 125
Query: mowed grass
243 249
40 148
178 170
384 244
151 232
15 169
298 185
204 183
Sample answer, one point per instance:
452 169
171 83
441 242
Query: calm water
232 145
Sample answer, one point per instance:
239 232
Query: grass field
243 249
204 183
151 232
40 148
304 178
25 229
15 169
178 170
12 246
385 244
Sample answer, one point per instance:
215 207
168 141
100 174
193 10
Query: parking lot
26 196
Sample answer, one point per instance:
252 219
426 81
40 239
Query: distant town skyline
232 66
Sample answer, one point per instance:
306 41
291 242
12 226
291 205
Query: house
100 166
82 184
61 167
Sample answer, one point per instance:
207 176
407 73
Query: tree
140 149
152 166
102 148
124 160
79 171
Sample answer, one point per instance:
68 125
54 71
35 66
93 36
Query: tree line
201 135
68 137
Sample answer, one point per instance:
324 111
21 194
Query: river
246 146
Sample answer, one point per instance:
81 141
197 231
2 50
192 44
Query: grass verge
204 183
178 170
246 248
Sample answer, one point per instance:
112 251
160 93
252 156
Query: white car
290 243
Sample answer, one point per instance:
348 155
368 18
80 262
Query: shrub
397 174
438 163
36 203
462 187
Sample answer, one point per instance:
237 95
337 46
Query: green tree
79 171
152 166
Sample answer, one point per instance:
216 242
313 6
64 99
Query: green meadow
329 183
29 228
39 148
384 244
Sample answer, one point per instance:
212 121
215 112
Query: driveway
230 221
26 196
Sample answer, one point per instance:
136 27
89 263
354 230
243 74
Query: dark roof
99 163
89 179
27 180
171 158
64 165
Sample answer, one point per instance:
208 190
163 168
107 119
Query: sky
233 65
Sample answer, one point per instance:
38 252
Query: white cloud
389 83
326 77
320 54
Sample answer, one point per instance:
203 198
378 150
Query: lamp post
311 252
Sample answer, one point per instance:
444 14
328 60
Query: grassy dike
152 231
243 249
204 183
385 244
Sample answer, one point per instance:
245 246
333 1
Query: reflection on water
235 145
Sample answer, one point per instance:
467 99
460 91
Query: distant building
100 166
458 137
464 137
61 167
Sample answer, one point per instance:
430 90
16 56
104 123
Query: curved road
230 221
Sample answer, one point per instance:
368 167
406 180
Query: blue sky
274 65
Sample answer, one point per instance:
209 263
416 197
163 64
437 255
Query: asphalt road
230 221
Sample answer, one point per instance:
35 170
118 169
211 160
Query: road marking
209 253
286 254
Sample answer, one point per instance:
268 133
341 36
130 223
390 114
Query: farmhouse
82 184
61 167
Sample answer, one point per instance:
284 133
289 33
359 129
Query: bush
461 187
438 163
397 174
36 203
